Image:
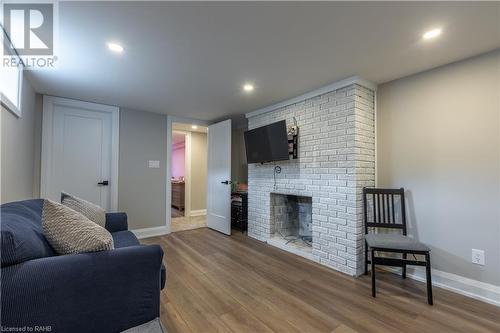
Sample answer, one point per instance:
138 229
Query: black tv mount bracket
293 140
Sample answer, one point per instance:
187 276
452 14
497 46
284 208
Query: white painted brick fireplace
336 148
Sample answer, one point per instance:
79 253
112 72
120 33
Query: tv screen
267 143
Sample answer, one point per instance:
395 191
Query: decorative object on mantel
293 142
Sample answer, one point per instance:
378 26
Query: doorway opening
188 177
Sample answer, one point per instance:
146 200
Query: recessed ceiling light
248 87
431 34
194 127
115 47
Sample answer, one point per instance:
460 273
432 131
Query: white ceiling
190 59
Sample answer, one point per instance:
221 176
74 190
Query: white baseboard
150 232
198 212
485 292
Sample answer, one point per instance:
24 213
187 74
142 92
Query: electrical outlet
478 257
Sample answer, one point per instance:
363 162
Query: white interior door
79 151
219 177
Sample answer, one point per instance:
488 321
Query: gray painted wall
239 166
142 191
142 138
438 136
18 148
198 171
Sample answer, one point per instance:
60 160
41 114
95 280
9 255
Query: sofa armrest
116 222
103 292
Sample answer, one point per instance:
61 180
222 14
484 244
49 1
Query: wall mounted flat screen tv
267 143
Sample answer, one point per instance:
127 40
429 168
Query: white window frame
13 106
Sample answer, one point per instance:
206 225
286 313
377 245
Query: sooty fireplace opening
291 217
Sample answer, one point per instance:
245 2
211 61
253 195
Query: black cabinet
239 211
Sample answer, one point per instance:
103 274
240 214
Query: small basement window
10 78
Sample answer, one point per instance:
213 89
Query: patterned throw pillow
88 209
68 231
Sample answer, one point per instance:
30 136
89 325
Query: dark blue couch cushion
124 239
21 232
116 222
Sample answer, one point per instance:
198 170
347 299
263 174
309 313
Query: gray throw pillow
68 231
84 207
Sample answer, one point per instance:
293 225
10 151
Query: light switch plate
154 164
478 257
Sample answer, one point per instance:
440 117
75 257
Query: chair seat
394 242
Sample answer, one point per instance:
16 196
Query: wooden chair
385 208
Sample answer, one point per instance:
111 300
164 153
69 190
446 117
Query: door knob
103 183
227 182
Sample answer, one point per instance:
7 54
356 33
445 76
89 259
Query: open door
219 177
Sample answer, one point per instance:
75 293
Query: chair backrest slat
378 208
382 206
393 212
388 207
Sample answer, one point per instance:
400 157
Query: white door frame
170 121
47 130
187 171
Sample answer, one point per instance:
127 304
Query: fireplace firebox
291 216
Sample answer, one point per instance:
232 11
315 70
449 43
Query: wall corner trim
150 232
323 90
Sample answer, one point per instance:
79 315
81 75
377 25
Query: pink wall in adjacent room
178 160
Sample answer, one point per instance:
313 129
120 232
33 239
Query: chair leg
366 259
404 266
429 281
373 274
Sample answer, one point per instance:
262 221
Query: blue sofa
107 291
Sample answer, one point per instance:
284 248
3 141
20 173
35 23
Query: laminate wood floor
188 223
218 283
